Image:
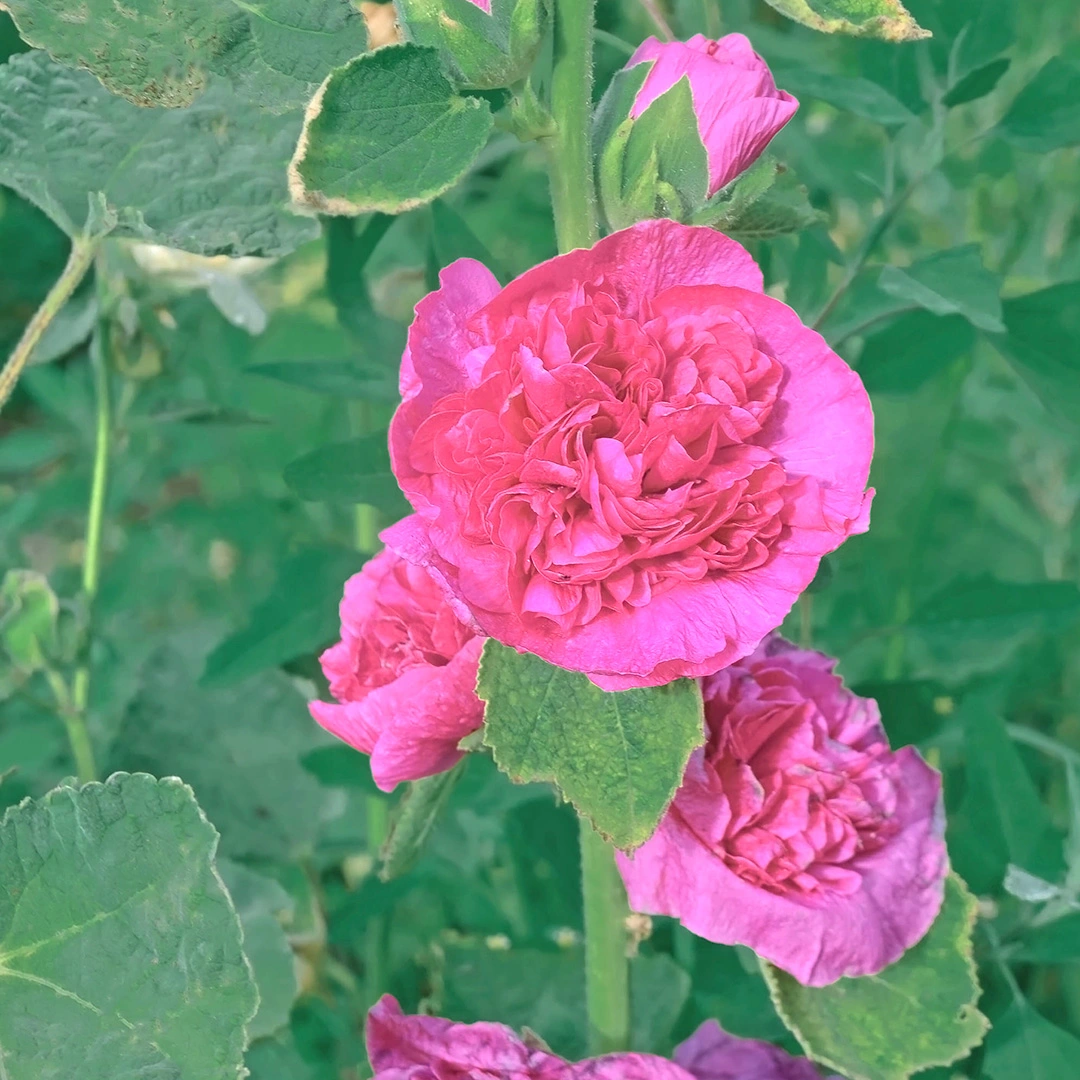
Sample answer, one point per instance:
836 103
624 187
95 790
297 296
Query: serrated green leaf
618 757
162 52
264 907
386 132
917 1013
1025 1044
953 282
414 817
782 207
120 955
1046 114
885 19
298 616
208 179
356 471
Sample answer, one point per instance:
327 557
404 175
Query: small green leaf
1025 1044
264 908
299 616
414 817
951 282
1046 114
885 19
223 159
28 613
336 378
120 950
917 1013
758 206
161 52
977 84
854 95
386 132
618 757
357 470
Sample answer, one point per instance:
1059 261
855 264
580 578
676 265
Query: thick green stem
607 968
377 937
570 164
79 261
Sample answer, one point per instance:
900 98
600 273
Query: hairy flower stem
79 261
607 969
570 164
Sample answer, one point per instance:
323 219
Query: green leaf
414 817
917 1013
120 954
977 84
1057 942
29 610
161 52
912 349
854 95
757 207
451 236
357 471
1046 114
985 600
618 757
299 616
885 19
386 132
208 178
951 282
238 747
336 378
1025 1044
341 766
264 908
1041 331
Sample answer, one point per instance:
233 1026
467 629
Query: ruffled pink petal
629 1067
712 1054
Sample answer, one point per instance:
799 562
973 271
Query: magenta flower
404 673
630 460
429 1048
739 109
797 831
712 1054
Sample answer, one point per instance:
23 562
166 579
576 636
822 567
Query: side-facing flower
630 460
738 107
404 1047
797 831
712 1054
403 674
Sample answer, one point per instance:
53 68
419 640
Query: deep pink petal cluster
797 831
630 460
739 109
403 674
712 1054
404 1047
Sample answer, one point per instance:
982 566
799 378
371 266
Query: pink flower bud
739 109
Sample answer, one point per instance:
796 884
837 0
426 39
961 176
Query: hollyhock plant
630 460
403 674
797 831
712 1054
404 1047
738 107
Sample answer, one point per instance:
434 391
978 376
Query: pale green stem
607 968
377 938
79 261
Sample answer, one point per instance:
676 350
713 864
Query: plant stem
79 261
607 969
377 938
570 164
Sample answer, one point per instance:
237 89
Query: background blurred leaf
357 471
1023 1043
1046 114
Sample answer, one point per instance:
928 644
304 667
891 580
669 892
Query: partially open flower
429 1048
630 460
712 1054
797 831
404 673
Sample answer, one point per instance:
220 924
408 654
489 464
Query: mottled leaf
886 19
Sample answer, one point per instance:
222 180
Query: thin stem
659 20
615 42
570 164
1046 743
79 261
377 937
607 969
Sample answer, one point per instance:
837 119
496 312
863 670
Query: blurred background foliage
230 526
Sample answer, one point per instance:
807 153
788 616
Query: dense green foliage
927 220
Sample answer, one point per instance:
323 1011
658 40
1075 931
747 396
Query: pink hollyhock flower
404 673
739 109
796 830
712 1054
630 460
429 1048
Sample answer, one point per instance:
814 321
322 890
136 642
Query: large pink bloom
429 1048
404 673
739 109
712 1054
797 831
630 460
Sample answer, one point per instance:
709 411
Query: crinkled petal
712 1054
